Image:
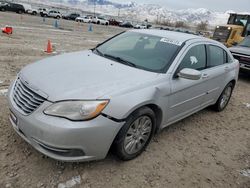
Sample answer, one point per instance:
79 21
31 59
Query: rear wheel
136 134
57 17
2 9
224 98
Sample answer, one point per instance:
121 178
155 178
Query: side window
227 58
216 56
195 58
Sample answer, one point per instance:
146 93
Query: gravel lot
207 149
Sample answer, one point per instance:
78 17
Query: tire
58 17
34 13
2 9
98 22
20 12
224 98
135 135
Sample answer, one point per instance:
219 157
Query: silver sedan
76 106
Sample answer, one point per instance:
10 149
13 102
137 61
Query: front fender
121 106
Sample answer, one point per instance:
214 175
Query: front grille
25 98
221 34
245 60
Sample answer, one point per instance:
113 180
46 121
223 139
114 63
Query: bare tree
202 26
167 22
181 24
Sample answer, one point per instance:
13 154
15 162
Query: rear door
214 76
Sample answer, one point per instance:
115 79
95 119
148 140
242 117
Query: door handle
205 76
226 69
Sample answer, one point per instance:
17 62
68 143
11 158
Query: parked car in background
13 7
54 14
119 94
43 12
3 6
32 11
114 22
140 26
84 19
127 25
71 16
100 20
241 52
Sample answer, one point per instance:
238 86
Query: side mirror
190 74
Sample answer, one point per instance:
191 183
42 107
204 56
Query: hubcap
138 134
225 97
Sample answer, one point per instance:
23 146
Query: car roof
173 35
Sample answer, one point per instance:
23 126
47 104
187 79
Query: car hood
82 75
240 49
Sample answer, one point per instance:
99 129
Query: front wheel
135 135
224 98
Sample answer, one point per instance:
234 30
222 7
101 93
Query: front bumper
63 139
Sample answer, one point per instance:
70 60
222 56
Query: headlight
77 110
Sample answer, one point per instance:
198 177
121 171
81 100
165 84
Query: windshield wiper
120 60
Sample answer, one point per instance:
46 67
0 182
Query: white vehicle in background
31 11
140 26
43 12
54 14
84 19
100 20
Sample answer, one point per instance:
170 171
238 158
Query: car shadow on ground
244 76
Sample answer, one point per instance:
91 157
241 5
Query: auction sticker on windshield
175 42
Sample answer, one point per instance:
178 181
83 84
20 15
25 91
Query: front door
187 95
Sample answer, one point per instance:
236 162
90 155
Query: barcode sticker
170 41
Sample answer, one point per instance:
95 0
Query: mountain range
140 12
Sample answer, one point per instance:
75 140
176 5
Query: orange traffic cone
8 30
49 48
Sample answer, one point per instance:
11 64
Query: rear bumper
62 139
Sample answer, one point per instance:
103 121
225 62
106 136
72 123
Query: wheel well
158 115
233 82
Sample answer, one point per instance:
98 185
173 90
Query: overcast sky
216 5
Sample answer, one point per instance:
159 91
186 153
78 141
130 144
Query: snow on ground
245 173
70 183
3 92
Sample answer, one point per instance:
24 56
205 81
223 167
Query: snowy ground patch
245 173
70 183
247 105
3 92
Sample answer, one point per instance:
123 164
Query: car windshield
245 42
143 51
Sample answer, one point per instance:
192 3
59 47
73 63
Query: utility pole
94 6
119 9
